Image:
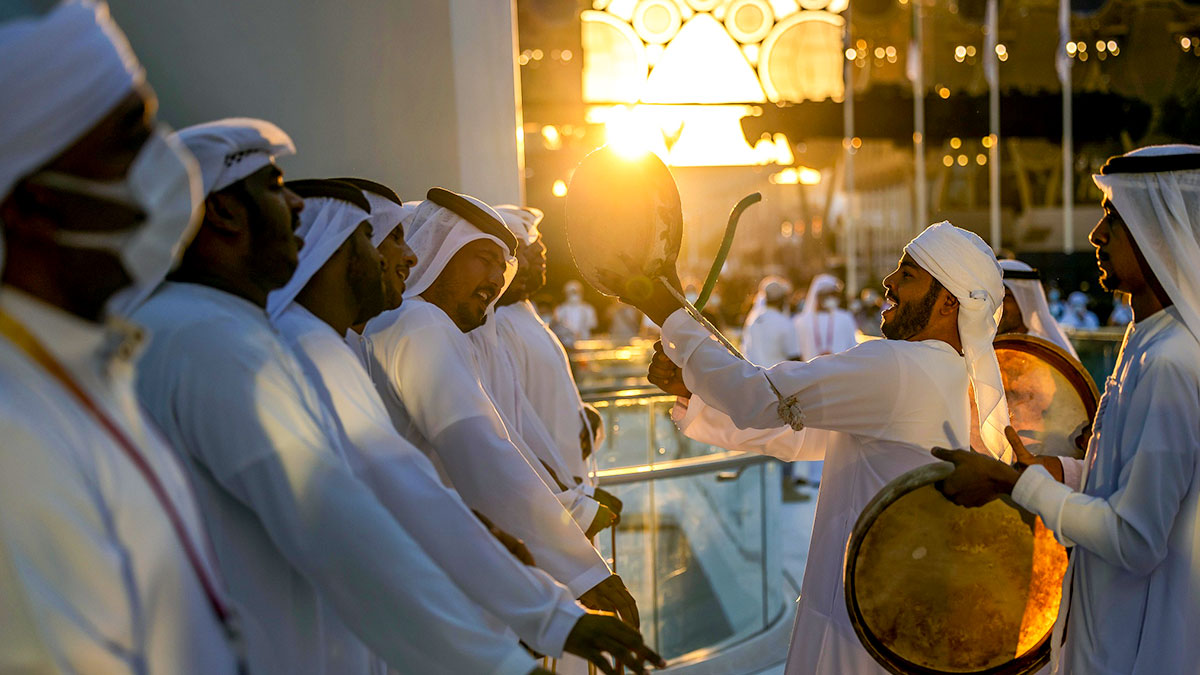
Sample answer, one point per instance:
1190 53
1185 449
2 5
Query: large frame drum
935 588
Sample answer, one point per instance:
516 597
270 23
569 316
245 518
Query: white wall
411 93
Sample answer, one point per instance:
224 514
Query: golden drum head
624 221
932 587
1051 397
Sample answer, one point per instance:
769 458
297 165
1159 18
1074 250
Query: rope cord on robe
788 408
23 339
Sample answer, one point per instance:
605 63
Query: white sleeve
838 392
428 368
704 423
244 420
1131 527
494 479
1072 472
63 575
539 610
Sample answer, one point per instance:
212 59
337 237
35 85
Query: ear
225 214
948 304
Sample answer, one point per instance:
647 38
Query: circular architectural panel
657 21
749 21
704 5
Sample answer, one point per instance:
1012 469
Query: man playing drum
870 412
1129 508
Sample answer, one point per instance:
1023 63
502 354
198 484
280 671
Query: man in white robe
1076 314
769 336
424 366
543 371
1131 508
310 553
868 411
339 283
1025 307
822 326
575 319
105 566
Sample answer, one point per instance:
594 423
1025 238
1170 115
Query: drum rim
905 483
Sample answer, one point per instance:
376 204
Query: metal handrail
674 468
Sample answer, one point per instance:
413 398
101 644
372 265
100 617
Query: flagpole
916 74
1063 63
848 143
992 72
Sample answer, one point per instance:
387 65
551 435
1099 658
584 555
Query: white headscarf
822 283
437 233
1161 207
967 267
396 216
325 224
1035 311
522 221
231 149
61 73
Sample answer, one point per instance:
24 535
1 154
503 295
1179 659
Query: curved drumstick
726 242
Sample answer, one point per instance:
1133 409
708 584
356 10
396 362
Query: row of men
1130 509
268 426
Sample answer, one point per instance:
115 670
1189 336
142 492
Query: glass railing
1098 350
697 544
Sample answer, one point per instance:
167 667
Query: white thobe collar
74 342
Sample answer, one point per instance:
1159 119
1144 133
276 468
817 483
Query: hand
607 499
977 479
514 545
1026 458
665 375
596 634
611 595
604 518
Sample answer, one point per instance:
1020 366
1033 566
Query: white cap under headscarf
522 221
325 224
1156 191
770 284
231 149
967 267
1035 311
61 73
437 233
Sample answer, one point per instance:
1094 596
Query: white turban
967 267
522 221
1031 298
60 74
325 224
401 216
1156 191
437 232
231 149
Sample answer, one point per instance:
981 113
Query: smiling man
424 366
1131 507
868 412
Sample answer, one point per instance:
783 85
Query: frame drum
1051 397
936 588
624 221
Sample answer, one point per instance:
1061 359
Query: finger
658 346
628 609
620 653
1017 444
647 654
947 454
602 663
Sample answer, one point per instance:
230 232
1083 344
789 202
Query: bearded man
868 412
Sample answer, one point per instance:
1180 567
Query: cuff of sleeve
561 623
588 580
1037 491
675 335
517 662
584 511
685 412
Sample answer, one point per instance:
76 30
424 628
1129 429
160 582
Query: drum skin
1051 397
624 221
935 588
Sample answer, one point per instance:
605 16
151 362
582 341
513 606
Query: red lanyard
22 338
827 347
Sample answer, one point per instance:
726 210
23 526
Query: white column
917 75
992 70
1063 64
851 228
487 88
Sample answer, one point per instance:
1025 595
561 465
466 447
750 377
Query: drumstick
726 242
